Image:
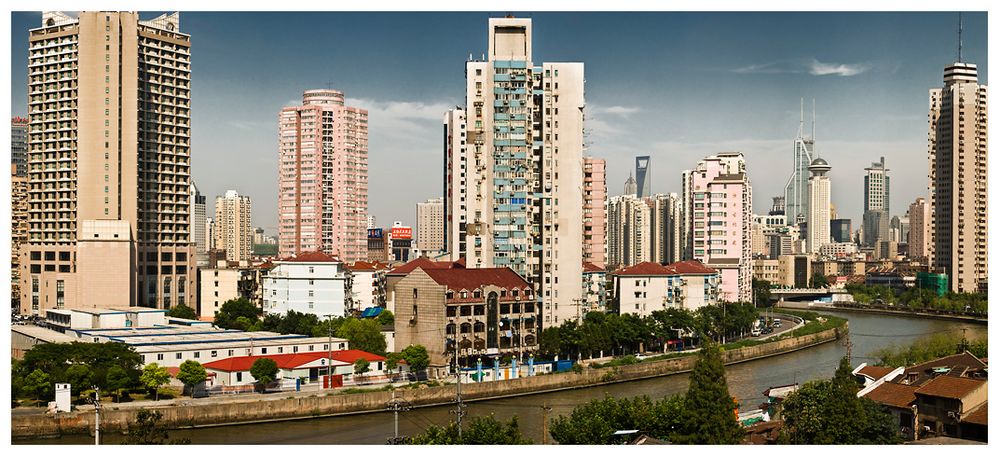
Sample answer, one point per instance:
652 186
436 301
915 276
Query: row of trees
917 298
627 333
929 348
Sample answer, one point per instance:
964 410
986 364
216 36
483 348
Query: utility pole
97 416
546 409
396 406
329 347
460 407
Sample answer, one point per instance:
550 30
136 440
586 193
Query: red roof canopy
291 361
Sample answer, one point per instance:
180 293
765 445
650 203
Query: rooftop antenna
801 114
959 36
814 120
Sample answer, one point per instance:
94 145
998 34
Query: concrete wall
252 408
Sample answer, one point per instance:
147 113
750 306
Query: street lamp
329 347
97 415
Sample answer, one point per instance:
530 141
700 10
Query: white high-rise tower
818 220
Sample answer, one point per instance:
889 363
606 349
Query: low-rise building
396 274
838 250
647 287
310 283
366 285
488 313
767 270
595 294
306 367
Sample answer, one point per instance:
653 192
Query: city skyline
680 106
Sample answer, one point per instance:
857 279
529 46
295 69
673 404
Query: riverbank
812 306
256 409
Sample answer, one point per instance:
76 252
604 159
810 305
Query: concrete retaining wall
255 409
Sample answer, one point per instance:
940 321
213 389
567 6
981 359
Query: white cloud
765 68
844 69
623 111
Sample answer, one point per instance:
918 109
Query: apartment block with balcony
647 287
595 212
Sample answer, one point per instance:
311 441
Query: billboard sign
375 233
402 233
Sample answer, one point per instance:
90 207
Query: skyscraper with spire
630 186
642 176
797 189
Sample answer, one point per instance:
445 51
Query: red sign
402 233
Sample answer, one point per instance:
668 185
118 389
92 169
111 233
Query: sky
675 86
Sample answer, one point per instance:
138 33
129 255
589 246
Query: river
747 381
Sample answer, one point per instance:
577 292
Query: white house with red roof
649 286
308 366
311 282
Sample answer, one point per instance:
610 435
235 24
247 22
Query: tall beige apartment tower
430 225
233 230
920 225
957 151
109 100
524 168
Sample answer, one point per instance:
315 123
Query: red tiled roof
589 267
474 278
290 361
950 387
426 264
686 267
367 266
979 415
875 372
314 256
892 394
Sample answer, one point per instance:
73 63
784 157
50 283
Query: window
197 355
263 350
215 353
231 352
178 355
239 376
159 356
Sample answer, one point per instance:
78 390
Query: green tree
479 430
153 376
361 366
38 385
78 377
264 371
386 318
191 374
416 357
363 334
818 280
709 413
392 360
118 380
596 422
182 311
237 314
762 292
928 348
147 430
830 412
55 359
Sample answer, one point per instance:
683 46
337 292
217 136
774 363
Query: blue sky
676 86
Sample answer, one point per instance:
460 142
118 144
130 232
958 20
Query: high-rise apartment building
818 222
876 215
19 146
958 176
197 219
720 219
918 243
108 163
628 231
524 167
323 177
797 189
595 209
430 225
18 230
665 228
643 175
456 174
233 231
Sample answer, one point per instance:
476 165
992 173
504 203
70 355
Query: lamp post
329 347
97 415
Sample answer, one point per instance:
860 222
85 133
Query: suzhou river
747 381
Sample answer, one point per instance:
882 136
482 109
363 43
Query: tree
392 360
55 359
762 292
361 366
153 376
38 385
709 413
147 430
416 357
118 379
264 371
816 413
237 314
191 373
386 318
479 430
78 377
182 311
363 334
818 280
596 421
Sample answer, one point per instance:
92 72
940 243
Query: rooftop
426 264
310 257
979 415
950 387
476 278
655 269
291 361
892 394
591 268
875 372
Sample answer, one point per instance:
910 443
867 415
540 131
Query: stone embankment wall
256 409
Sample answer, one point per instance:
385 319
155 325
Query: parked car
777 322
755 332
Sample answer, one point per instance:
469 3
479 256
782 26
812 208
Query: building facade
720 198
311 283
18 231
595 212
876 204
595 293
323 177
430 225
455 182
525 166
958 150
366 285
840 230
818 222
19 146
233 228
917 245
628 231
643 176
665 228
132 79
198 225
647 287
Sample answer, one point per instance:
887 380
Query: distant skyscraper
818 222
665 228
958 176
19 145
455 182
430 225
631 188
210 233
233 231
840 230
642 176
323 177
721 203
876 204
198 223
113 165
595 208
628 231
797 189
525 173
777 206
920 226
